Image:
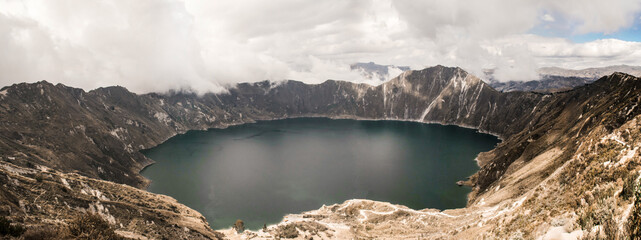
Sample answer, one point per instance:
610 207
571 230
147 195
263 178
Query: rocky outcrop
97 134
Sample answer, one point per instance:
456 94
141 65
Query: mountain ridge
102 130
555 79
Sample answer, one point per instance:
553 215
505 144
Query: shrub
6 228
634 221
628 186
91 226
239 226
598 213
288 231
610 228
86 226
44 233
39 177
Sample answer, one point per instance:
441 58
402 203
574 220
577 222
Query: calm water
260 172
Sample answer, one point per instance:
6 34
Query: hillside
566 158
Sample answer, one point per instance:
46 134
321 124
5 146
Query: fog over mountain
88 88
555 79
547 80
375 71
155 46
593 73
567 165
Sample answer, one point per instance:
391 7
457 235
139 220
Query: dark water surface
260 172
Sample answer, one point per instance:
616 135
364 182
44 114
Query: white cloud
547 18
150 45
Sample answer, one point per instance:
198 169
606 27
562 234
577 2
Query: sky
208 46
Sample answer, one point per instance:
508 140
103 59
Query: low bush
628 186
239 226
91 226
39 177
634 221
44 233
8 229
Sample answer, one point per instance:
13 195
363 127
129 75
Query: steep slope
571 174
46 197
69 129
98 134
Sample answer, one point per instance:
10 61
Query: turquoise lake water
262 171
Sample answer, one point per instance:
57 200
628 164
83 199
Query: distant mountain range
372 70
554 79
592 73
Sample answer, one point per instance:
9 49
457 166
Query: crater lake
259 172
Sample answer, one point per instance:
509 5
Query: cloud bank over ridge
154 46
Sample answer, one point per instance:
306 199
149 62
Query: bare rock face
91 140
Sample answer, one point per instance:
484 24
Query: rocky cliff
86 137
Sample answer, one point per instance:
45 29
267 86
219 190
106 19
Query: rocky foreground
567 165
